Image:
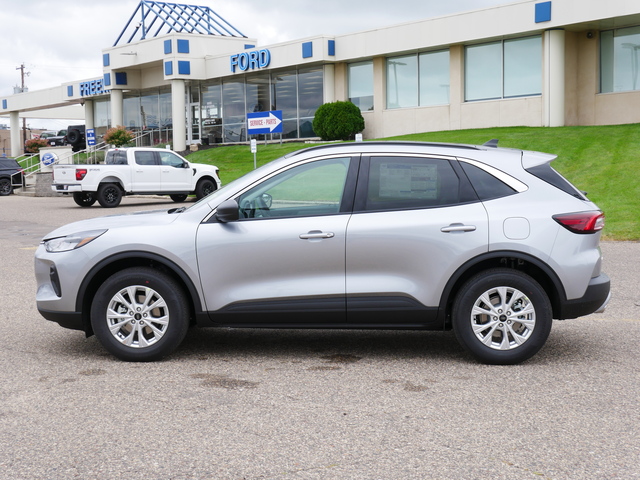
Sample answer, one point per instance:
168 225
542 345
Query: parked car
55 139
11 175
492 243
134 171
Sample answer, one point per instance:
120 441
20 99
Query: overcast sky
63 41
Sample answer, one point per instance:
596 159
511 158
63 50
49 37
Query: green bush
338 121
118 136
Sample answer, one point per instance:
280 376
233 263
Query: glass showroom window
512 68
402 81
101 116
619 60
361 85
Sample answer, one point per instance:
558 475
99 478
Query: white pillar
179 114
329 81
88 114
554 63
117 117
14 124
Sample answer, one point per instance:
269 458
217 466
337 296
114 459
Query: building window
619 60
434 78
361 85
418 80
512 68
402 81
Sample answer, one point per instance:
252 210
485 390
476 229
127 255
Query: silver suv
490 242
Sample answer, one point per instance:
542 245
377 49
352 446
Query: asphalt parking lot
267 404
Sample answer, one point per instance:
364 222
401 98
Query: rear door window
398 182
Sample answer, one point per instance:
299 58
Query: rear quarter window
548 174
486 185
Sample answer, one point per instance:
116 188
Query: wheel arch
121 261
208 176
111 179
532 266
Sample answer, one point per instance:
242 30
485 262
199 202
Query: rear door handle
316 234
458 227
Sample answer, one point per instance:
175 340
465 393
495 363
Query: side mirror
228 211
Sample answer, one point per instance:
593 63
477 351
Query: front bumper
594 300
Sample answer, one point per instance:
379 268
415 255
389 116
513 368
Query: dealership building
184 75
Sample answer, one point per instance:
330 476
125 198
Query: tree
338 121
118 136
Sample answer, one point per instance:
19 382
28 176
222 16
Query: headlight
71 242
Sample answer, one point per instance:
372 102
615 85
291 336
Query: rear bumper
594 300
66 188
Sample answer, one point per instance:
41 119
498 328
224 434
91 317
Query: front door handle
316 234
458 227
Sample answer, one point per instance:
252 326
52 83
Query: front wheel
84 199
109 195
502 316
204 187
178 197
140 314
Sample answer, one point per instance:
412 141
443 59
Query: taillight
80 173
582 222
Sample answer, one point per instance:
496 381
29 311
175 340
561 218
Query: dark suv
11 175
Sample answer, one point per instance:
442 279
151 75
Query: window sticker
408 181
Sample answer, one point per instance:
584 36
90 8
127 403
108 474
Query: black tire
109 195
517 321
5 187
204 187
132 331
73 136
178 197
84 199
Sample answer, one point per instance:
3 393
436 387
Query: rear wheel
140 314
178 198
204 187
5 186
109 195
84 199
502 316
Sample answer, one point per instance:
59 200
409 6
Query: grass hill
604 161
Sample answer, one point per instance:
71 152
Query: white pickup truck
135 171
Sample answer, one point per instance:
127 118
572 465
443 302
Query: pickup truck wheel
109 195
140 314
178 198
84 199
5 186
502 316
205 187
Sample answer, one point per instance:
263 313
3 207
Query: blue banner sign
90 135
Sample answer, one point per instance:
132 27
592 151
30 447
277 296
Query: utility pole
22 89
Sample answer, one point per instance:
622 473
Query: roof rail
390 142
